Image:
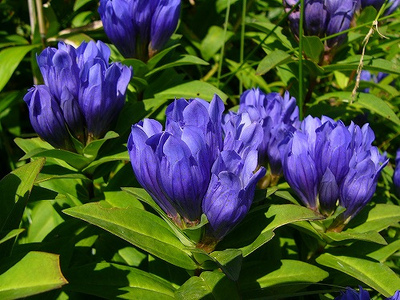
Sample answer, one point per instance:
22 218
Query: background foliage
76 225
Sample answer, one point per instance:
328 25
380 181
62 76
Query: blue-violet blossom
322 18
377 4
174 165
82 93
396 174
351 294
326 162
139 28
277 116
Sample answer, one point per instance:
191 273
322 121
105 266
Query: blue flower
88 92
139 28
231 191
323 18
351 294
174 165
277 115
377 4
325 162
47 117
396 174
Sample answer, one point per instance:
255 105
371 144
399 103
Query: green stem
221 59
301 98
242 42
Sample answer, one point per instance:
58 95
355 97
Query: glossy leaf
35 273
370 63
281 278
272 60
181 61
377 275
9 61
8 236
192 89
209 285
139 227
367 101
313 47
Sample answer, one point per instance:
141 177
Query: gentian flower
367 76
277 116
322 18
139 28
377 4
396 174
174 165
326 162
231 191
351 294
84 92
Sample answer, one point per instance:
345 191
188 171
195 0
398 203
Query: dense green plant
76 222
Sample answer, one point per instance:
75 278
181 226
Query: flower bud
141 28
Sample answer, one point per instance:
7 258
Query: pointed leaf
377 275
281 278
35 273
9 61
272 60
139 227
209 285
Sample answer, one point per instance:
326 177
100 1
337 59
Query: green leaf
370 64
313 47
368 101
139 227
73 159
258 226
157 58
139 67
15 189
348 235
383 253
376 218
12 40
143 196
279 278
213 41
209 285
272 60
230 261
181 61
377 275
91 150
35 273
8 99
79 3
9 61
112 281
10 235
192 89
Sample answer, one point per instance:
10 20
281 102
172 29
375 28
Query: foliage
78 223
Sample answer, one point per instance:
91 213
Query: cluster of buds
322 18
82 94
328 164
188 170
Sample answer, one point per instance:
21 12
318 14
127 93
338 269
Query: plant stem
221 59
301 99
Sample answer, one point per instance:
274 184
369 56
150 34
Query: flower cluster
139 29
322 18
326 162
351 294
189 169
82 94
